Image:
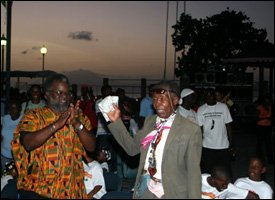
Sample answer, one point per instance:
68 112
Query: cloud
82 35
34 48
25 51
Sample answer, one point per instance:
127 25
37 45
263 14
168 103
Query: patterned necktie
152 159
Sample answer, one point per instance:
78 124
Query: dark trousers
264 143
24 194
215 157
10 190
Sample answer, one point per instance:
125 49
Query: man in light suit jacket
169 146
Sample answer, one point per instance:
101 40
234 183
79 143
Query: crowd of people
175 143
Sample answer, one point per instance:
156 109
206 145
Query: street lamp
43 51
3 44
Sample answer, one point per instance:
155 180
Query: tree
204 43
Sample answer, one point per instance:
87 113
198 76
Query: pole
184 6
2 69
8 53
177 5
43 64
3 58
165 56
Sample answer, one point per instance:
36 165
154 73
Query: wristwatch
80 128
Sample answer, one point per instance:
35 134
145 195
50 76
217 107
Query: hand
73 109
63 119
252 195
74 118
115 114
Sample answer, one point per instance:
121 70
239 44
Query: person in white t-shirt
254 181
35 99
94 179
215 121
186 102
218 186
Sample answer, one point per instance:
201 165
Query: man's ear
175 100
263 170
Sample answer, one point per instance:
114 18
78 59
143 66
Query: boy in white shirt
254 181
218 186
94 180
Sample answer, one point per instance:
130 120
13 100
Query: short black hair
220 172
259 158
16 102
56 77
120 91
35 86
105 88
209 91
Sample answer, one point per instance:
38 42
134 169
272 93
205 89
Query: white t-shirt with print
94 177
261 188
213 119
231 192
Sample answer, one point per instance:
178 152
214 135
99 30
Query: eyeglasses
59 93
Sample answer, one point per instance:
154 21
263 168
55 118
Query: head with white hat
184 93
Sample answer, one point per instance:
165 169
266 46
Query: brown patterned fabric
55 169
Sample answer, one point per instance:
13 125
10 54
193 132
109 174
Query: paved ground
245 142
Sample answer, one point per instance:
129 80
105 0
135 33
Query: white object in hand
106 105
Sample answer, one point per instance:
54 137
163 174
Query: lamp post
165 56
3 44
43 51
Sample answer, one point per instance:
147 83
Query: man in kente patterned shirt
49 143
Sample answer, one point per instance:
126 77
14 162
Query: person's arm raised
115 114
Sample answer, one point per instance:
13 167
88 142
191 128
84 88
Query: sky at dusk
124 38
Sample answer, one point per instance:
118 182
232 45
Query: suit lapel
173 131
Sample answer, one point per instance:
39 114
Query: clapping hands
70 116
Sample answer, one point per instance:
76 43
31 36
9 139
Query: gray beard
59 108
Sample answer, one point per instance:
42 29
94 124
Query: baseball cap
166 86
184 93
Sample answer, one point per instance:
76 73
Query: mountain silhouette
130 83
84 77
